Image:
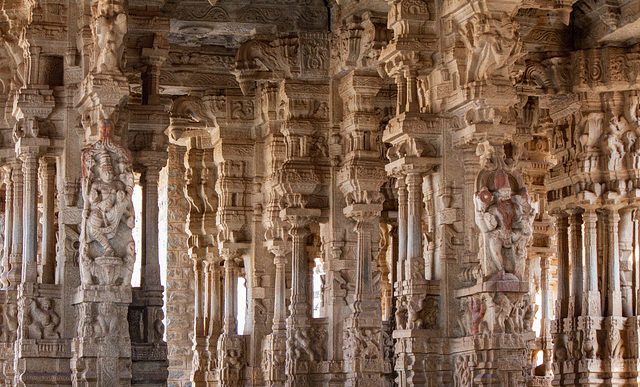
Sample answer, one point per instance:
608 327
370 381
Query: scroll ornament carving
107 250
411 148
504 214
493 46
188 110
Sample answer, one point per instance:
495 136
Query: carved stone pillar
562 224
625 248
15 274
231 345
545 334
591 303
614 297
179 300
150 263
275 345
362 342
230 291
216 306
30 217
575 229
102 350
299 354
403 217
8 225
200 354
47 177
414 267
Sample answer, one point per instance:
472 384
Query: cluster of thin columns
23 179
21 221
578 281
410 207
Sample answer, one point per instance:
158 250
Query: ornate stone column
403 217
106 264
545 334
15 259
614 297
414 267
299 354
8 225
591 303
231 345
150 262
576 257
30 216
275 345
562 224
179 300
47 177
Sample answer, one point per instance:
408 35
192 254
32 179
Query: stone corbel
266 58
194 117
153 57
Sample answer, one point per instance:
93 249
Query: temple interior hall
338 193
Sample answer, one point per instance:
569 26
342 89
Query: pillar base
591 304
231 359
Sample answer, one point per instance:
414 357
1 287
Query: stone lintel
412 164
412 125
102 293
361 211
300 212
423 334
238 247
31 145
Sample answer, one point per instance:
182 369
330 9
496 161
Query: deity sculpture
107 250
505 219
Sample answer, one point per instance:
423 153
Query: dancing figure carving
106 245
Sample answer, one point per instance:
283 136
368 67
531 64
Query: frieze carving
307 344
40 319
362 343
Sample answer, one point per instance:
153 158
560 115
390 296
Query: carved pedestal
231 359
146 329
102 349
363 352
418 337
41 356
495 322
274 352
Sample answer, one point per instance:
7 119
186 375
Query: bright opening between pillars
242 304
